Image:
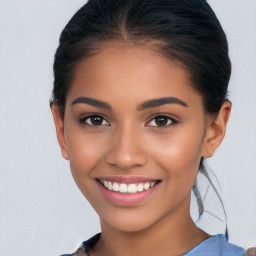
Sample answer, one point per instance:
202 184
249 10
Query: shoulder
216 246
79 252
85 247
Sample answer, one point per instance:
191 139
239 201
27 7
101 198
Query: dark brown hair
185 31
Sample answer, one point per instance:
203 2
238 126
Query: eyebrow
147 104
161 101
92 102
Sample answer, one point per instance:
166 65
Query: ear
59 124
216 129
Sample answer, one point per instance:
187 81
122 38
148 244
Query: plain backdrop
42 212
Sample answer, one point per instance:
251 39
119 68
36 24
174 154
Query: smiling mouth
128 188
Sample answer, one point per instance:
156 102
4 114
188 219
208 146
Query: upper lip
127 179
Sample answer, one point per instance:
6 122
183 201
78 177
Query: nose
126 149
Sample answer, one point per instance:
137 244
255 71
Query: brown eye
95 120
161 121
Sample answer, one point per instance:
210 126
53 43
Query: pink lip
125 199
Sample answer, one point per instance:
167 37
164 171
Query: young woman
139 101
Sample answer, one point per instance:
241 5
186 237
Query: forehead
121 71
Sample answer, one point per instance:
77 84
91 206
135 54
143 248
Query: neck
174 234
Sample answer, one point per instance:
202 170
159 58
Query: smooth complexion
133 114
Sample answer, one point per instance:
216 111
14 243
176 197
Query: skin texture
131 143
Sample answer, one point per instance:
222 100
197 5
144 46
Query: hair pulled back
185 31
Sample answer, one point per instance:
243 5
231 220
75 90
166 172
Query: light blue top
216 245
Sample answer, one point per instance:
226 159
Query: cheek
85 152
179 152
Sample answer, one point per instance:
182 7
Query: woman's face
134 122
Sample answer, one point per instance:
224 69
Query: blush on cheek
177 151
86 148
83 161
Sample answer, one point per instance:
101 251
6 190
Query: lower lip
126 198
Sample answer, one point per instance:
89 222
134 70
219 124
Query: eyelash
170 121
84 119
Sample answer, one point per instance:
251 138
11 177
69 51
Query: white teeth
127 188
146 186
123 188
132 188
140 187
110 186
115 187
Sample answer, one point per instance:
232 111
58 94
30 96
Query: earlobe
216 129
59 124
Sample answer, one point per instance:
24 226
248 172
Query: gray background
42 212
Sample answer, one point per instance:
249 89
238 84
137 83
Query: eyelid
84 117
174 120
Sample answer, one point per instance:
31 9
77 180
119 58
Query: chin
129 222
131 226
